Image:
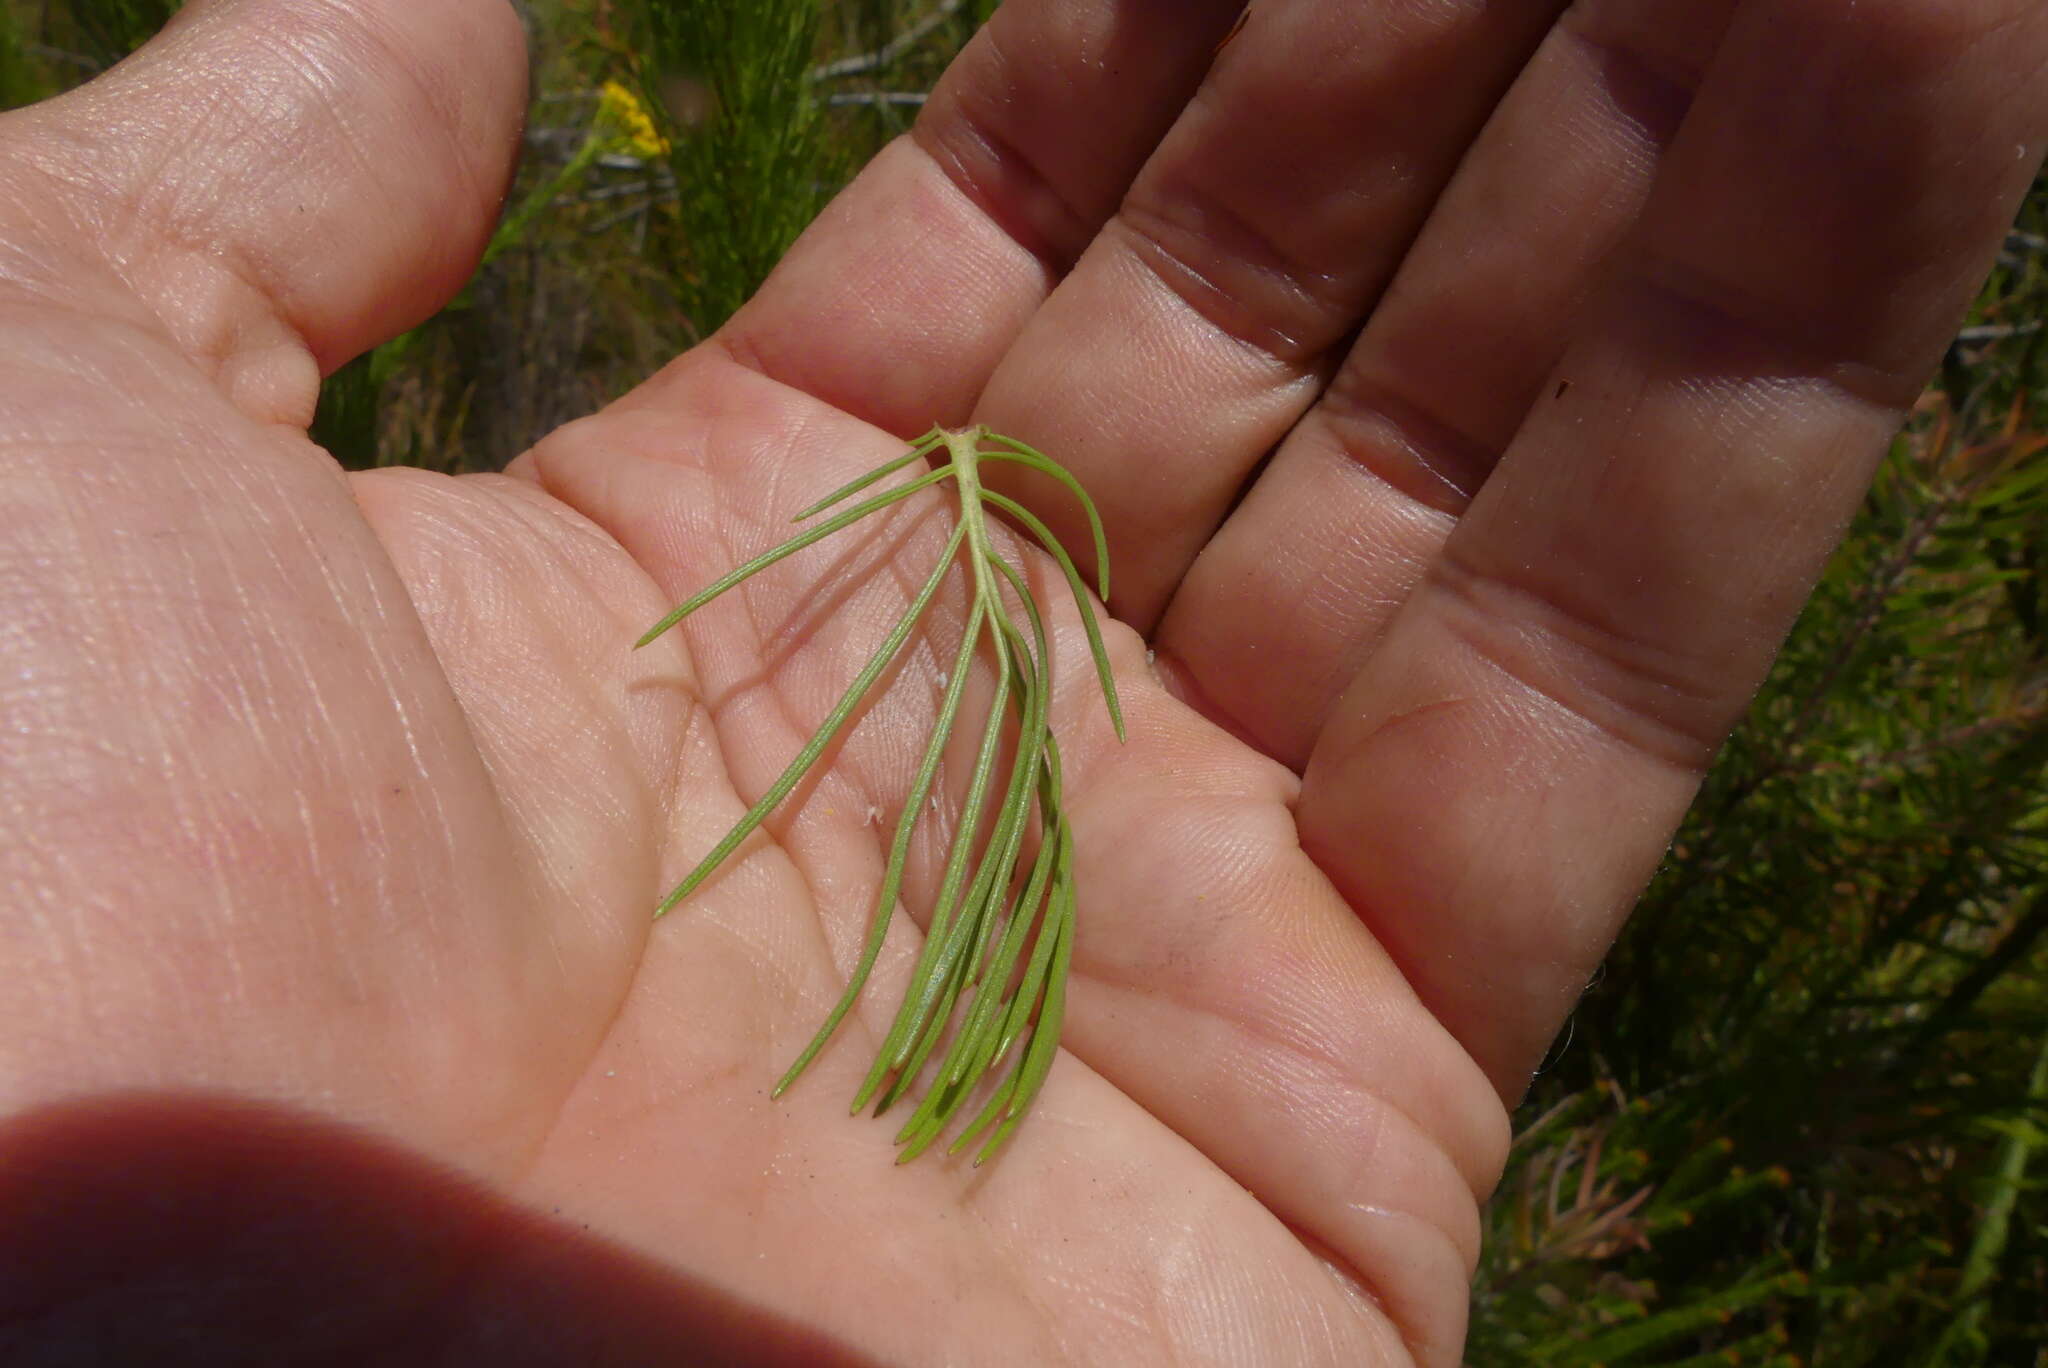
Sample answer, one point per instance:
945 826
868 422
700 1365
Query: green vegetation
1801 1117
973 955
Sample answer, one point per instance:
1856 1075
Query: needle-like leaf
1037 460
973 989
899 849
923 446
789 548
1080 592
828 729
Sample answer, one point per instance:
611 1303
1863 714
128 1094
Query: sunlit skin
1471 395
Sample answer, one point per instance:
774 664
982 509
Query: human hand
344 795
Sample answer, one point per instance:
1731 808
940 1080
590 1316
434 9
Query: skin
339 802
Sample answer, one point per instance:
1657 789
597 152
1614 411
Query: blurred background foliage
1802 1116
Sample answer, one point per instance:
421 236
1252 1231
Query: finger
1277 614
1500 780
1199 326
896 305
276 187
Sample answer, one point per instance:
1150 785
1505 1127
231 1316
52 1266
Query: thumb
276 187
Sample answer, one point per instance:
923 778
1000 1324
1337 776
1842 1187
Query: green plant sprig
973 976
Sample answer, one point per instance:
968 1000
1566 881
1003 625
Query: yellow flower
626 125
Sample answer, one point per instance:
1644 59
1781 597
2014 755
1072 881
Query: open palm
1571 341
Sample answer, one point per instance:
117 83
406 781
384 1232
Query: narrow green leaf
975 932
789 548
828 729
1044 1045
974 1045
1028 997
1044 464
923 446
899 849
926 982
1080 591
961 993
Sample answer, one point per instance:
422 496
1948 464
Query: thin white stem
876 98
891 50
